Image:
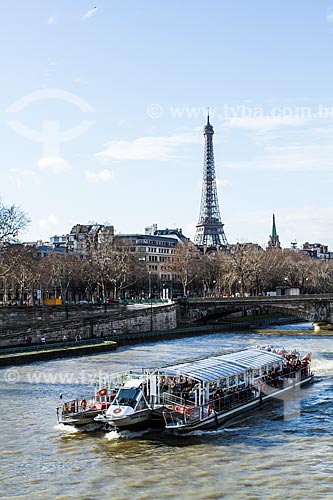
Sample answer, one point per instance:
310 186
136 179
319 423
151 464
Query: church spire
274 234
274 241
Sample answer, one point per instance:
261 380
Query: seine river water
277 452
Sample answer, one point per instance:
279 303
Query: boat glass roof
216 367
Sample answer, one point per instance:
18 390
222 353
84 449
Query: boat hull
136 420
78 416
79 419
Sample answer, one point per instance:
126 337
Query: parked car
111 301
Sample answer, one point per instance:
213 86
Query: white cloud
101 176
54 164
293 159
294 150
89 13
265 122
330 17
52 20
148 148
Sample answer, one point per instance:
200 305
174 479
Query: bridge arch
307 308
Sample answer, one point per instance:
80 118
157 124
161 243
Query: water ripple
276 452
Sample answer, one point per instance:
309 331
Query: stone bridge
314 308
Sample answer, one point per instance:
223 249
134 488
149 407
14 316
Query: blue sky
103 104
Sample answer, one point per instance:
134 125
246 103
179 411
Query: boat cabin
199 381
132 394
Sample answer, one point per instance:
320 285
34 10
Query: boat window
232 380
142 404
224 384
256 373
127 397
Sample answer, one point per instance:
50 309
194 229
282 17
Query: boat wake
207 432
235 429
112 435
215 432
66 429
322 366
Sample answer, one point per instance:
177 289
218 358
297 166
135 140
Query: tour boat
205 393
134 405
80 412
208 392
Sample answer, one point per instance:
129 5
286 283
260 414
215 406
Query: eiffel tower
209 232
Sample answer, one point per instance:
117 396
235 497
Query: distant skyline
103 106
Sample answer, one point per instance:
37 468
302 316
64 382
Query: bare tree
244 270
61 273
120 263
185 264
111 262
213 271
21 264
12 221
320 278
296 269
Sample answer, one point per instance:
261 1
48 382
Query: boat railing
80 405
179 411
118 379
171 400
182 414
270 385
231 400
187 412
190 413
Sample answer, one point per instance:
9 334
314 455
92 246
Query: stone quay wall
53 323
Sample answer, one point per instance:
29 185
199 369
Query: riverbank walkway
43 352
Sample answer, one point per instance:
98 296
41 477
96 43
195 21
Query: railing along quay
142 336
260 298
193 330
49 347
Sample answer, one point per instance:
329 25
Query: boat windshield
127 397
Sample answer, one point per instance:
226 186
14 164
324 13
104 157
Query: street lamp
151 303
163 291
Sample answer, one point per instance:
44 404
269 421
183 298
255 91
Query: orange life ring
103 392
117 410
210 409
83 404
